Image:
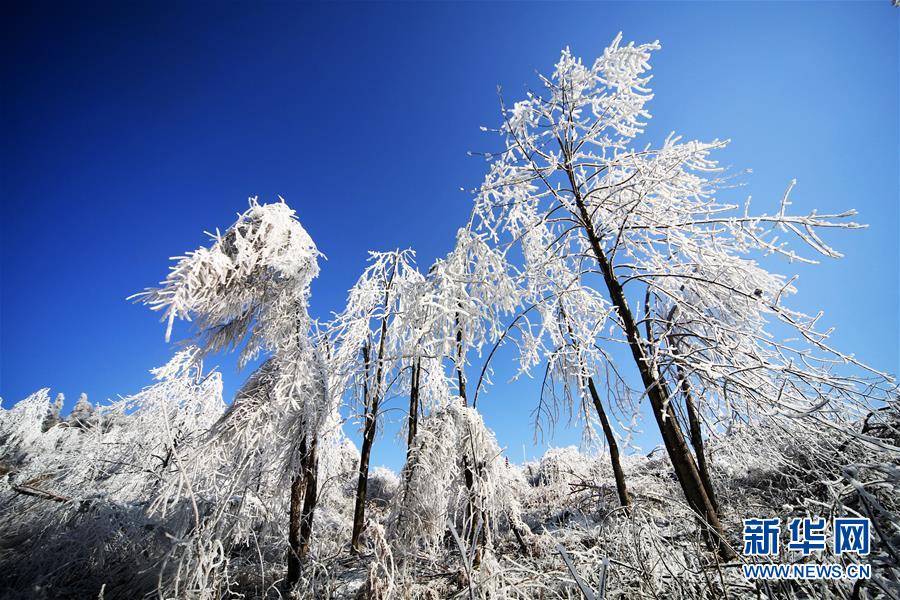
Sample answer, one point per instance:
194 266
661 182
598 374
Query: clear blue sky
128 130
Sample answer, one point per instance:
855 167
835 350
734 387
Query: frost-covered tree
675 266
154 428
250 289
53 418
82 413
556 292
471 290
467 294
569 362
370 337
21 425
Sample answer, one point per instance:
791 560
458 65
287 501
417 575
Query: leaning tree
675 265
556 293
250 290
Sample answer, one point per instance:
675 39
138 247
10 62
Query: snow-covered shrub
84 490
457 477
562 466
53 414
382 485
22 426
82 414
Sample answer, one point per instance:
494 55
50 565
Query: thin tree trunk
413 407
304 496
475 515
298 486
696 433
614 458
460 363
413 426
477 536
694 428
621 488
657 391
369 428
359 509
311 498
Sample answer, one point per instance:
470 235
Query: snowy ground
81 518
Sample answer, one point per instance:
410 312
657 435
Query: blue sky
130 130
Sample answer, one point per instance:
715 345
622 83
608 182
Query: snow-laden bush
382 485
85 491
73 530
22 425
82 414
457 477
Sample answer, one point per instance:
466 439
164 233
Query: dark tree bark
372 399
413 407
359 509
460 363
657 390
696 434
413 426
474 513
694 427
362 483
311 498
614 458
304 497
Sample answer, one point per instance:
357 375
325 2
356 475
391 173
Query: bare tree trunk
460 363
618 473
474 513
694 427
657 391
696 433
476 535
298 487
304 496
413 407
311 498
372 398
359 509
413 426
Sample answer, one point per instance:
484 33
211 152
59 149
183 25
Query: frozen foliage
250 288
579 243
434 491
88 489
63 545
82 414
383 485
632 246
24 422
580 202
